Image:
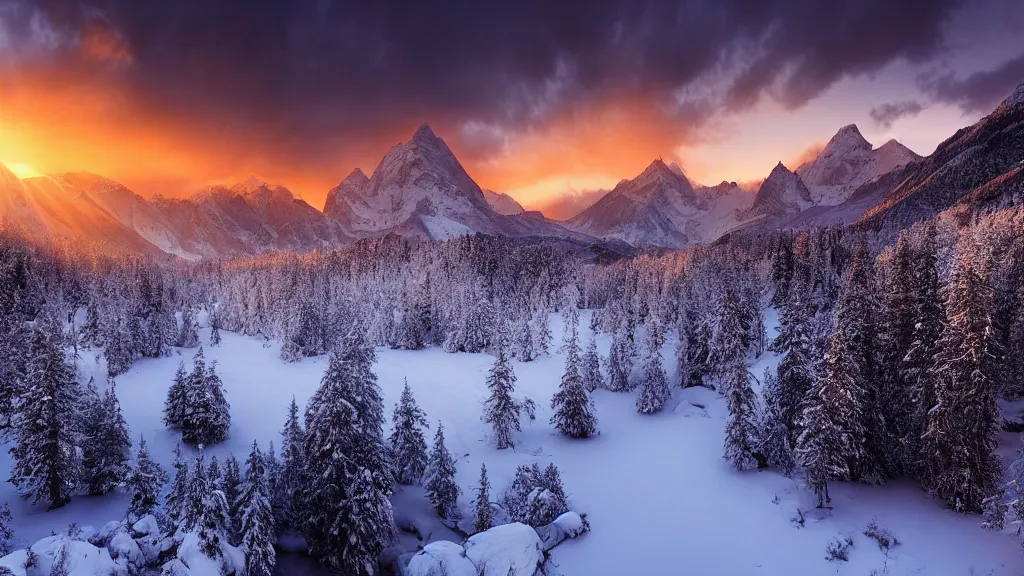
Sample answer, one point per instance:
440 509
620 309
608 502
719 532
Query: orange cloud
100 43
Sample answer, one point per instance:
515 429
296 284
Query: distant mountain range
419 188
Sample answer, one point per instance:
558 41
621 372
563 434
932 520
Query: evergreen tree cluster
196 404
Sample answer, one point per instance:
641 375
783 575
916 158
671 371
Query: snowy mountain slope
973 157
419 188
130 209
49 205
782 193
503 203
847 162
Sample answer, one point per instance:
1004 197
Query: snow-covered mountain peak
249 185
1015 99
847 138
781 193
848 162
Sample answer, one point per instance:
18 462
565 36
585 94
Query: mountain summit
848 162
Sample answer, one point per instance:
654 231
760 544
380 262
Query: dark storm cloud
978 92
316 73
887 113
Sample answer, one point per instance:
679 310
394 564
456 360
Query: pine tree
483 516
442 490
574 411
214 327
822 446
213 523
256 520
214 474
106 446
408 446
795 372
289 481
916 365
196 494
654 389
176 502
6 530
543 336
523 341
774 437
175 404
851 373
207 416
620 361
501 410
740 431
961 466
145 482
232 488
188 337
347 518
591 371
46 463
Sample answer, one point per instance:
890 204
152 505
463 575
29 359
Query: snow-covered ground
659 496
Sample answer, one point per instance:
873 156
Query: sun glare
22 170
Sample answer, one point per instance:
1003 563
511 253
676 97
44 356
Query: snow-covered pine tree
591 370
961 465
175 404
176 501
773 435
740 429
621 356
144 484
483 514
408 446
822 447
574 410
851 371
188 337
501 410
654 389
214 327
232 488
6 529
522 339
106 445
929 319
286 497
535 497
214 524
255 517
341 536
195 494
214 474
207 415
542 336
46 463
795 372
442 490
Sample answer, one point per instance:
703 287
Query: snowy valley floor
659 496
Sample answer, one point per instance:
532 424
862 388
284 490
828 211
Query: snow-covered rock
441 558
512 549
78 558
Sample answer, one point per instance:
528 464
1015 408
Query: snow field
658 495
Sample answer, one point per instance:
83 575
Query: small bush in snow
839 550
799 519
884 538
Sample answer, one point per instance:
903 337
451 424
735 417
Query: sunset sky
537 99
